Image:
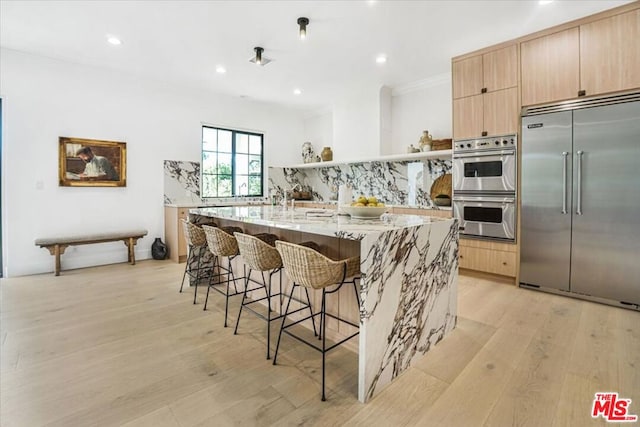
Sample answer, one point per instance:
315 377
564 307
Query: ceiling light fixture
297 92
381 59
303 22
259 59
114 40
545 1
220 69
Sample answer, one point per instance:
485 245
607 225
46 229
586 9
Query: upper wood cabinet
489 72
492 113
467 77
501 112
610 54
595 58
468 117
550 67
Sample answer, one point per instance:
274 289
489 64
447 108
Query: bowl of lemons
365 208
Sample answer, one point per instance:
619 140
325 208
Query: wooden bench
57 245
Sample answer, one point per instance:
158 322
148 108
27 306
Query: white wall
425 106
318 129
356 125
43 99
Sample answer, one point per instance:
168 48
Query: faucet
284 199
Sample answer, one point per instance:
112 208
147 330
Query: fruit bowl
364 212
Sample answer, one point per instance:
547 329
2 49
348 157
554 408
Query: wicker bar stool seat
310 269
196 247
259 254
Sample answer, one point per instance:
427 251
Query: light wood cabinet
594 58
500 68
550 67
501 112
467 77
174 233
610 54
492 113
488 257
468 117
485 73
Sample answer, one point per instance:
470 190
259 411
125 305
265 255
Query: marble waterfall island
408 290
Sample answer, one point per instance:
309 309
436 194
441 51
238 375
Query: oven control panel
486 143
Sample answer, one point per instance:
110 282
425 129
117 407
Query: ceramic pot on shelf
326 154
308 156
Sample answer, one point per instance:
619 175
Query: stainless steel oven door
488 217
488 171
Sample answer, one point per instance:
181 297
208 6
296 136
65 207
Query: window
231 163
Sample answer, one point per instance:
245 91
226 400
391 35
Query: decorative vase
425 141
158 249
307 152
326 154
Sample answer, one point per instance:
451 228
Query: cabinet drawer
487 260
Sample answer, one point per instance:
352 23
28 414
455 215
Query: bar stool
310 269
222 244
196 244
259 253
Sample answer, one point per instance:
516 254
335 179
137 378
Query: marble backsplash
393 182
181 182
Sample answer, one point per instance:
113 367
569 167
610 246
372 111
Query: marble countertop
216 204
303 219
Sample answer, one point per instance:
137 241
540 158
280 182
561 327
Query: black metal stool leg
186 267
268 290
320 335
323 320
213 271
226 297
244 296
284 317
313 322
195 292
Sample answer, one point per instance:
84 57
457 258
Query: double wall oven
484 186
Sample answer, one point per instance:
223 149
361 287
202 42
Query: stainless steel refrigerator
580 229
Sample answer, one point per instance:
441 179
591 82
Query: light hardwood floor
118 345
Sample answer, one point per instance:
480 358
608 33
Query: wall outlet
39 185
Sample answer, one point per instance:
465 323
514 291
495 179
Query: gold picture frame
92 163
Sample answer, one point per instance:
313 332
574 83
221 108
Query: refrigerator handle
579 189
564 182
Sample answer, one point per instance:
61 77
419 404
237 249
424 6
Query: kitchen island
408 286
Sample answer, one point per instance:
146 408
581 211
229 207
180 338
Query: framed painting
92 163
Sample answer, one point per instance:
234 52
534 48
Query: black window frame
234 133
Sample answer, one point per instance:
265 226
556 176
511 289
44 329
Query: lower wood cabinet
488 257
174 233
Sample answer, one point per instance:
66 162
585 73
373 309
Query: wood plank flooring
118 345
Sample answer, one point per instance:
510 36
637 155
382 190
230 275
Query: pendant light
303 22
259 59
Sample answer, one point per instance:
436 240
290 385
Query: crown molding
418 85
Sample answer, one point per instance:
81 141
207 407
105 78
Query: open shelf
437 154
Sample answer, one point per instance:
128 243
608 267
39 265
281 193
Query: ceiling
182 42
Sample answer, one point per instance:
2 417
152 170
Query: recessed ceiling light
381 59
545 1
371 2
220 69
297 92
114 40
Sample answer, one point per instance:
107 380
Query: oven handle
485 200
485 154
